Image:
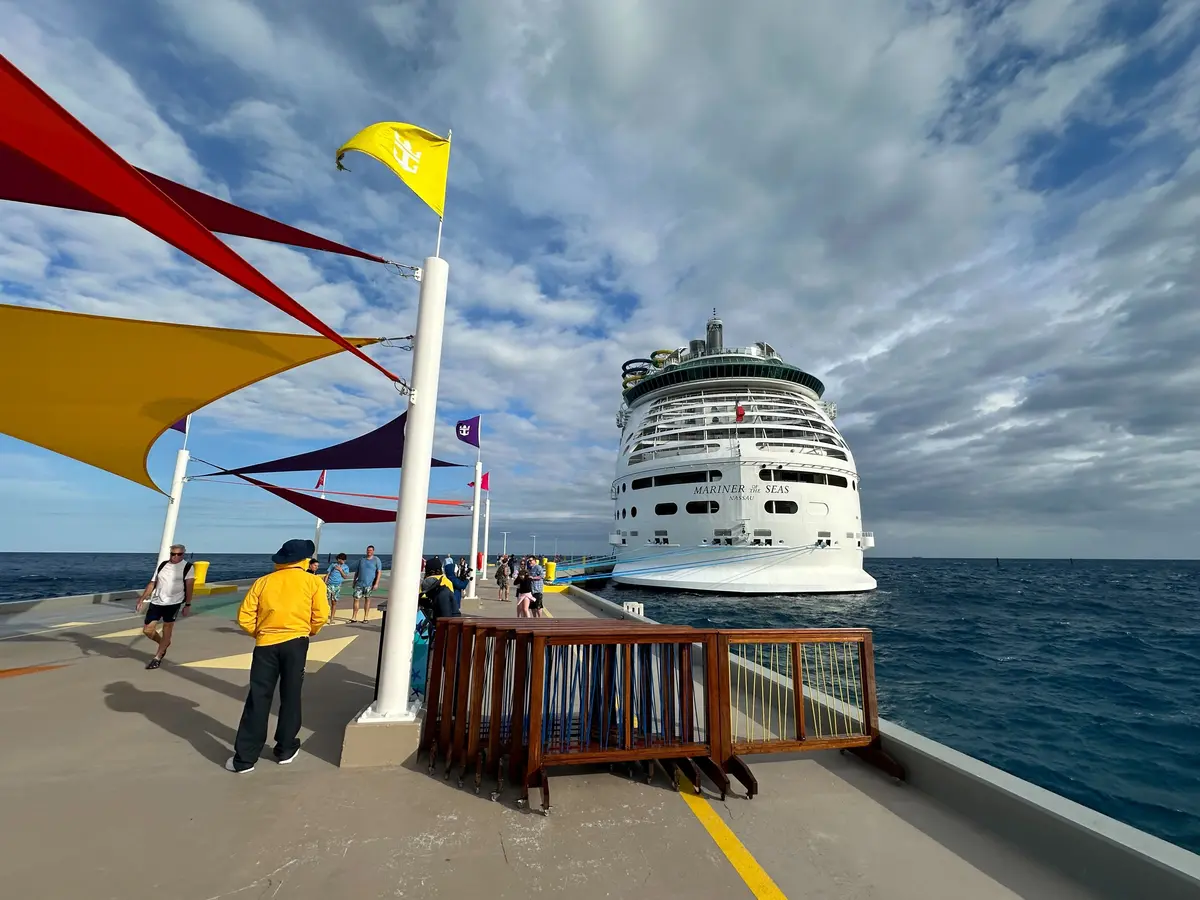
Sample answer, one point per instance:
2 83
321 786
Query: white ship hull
738 570
732 478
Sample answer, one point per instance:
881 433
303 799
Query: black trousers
277 663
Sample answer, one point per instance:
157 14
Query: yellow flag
420 158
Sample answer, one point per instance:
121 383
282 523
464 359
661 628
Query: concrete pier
112 785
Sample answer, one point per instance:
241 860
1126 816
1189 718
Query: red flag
739 413
320 481
483 482
36 127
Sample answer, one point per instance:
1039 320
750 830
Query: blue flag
468 431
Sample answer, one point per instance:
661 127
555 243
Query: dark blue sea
1081 677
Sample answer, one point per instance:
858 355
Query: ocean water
1080 677
29 576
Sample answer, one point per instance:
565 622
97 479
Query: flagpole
396 643
472 562
317 536
437 248
487 523
176 495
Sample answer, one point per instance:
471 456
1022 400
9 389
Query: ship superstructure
732 477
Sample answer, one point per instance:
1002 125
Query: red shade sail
335 512
34 126
24 181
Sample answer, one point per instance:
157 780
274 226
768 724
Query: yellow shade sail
101 390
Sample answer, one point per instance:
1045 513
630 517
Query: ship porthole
633 512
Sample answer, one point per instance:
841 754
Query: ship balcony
868 539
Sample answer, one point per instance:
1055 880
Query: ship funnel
696 347
714 337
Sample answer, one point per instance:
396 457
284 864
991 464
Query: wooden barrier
517 696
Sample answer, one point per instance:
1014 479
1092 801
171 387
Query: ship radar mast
714 334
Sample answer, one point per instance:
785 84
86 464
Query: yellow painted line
21 634
319 653
128 632
755 876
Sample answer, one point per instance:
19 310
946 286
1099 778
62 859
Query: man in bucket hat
282 610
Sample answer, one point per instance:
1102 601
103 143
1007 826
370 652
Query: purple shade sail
467 430
382 448
334 512
180 426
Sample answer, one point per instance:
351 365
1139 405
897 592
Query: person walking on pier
282 611
366 580
172 586
523 585
333 583
537 576
502 579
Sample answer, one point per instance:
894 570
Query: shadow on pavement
177 715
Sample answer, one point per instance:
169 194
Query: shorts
362 592
537 600
333 592
167 612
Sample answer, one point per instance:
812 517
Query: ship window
818 509
622 514
762 532
703 507
838 481
639 483
824 534
622 487
854 484
782 507
633 512
633 534
666 509
660 534
687 478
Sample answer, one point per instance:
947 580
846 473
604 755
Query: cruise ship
732 477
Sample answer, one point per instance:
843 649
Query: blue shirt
337 574
366 570
538 574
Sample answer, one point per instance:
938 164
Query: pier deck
111 785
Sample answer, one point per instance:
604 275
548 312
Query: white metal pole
168 532
395 660
504 552
487 521
317 535
471 595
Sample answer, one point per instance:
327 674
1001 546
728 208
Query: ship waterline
732 477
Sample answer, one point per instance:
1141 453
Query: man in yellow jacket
282 610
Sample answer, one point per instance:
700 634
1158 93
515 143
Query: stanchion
379 656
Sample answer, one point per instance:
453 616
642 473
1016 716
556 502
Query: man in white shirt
172 593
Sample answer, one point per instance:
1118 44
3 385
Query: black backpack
187 567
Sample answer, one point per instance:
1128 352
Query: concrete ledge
372 744
1109 857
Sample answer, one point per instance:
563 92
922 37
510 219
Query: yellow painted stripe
755 876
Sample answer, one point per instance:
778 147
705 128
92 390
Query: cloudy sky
976 221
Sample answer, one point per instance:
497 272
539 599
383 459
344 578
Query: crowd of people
284 609
527 579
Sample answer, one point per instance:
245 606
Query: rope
336 493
